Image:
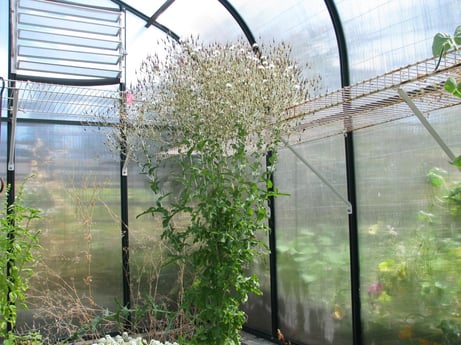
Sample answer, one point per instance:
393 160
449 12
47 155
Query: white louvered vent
61 40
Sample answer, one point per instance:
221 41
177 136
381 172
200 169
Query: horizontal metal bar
68 55
67 70
75 10
70 81
66 24
80 123
38 36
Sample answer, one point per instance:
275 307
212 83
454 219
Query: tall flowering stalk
214 112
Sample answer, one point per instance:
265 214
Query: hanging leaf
453 87
441 44
450 85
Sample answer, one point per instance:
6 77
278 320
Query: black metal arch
152 20
146 18
351 181
238 18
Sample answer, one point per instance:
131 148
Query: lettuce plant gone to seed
214 112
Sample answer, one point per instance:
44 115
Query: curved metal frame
351 181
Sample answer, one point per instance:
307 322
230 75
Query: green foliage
417 287
441 44
31 338
215 111
444 42
457 162
452 86
17 243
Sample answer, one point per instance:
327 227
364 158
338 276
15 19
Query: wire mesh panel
376 100
66 41
64 102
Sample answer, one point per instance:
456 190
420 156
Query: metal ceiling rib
152 20
146 18
161 9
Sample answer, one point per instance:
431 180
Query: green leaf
457 162
308 278
435 177
457 91
457 35
450 85
386 266
425 216
441 44
453 87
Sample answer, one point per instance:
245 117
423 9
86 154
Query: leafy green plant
17 245
442 43
414 298
214 112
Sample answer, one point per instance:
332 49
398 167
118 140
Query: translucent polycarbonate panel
258 307
409 225
33 35
305 25
313 270
55 54
207 19
4 15
140 42
383 35
146 7
155 277
75 183
72 10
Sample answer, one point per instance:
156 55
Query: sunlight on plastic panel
146 7
32 35
75 184
57 8
383 35
206 18
140 42
305 25
313 270
409 229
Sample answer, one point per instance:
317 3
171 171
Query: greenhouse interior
199 172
